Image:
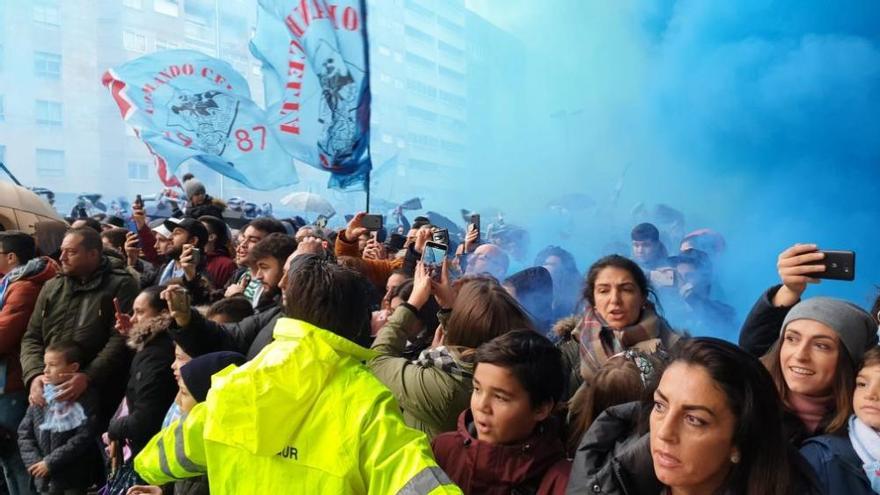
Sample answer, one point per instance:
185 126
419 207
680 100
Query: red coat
21 296
537 465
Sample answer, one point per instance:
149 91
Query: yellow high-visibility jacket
304 416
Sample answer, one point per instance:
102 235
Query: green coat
83 311
431 399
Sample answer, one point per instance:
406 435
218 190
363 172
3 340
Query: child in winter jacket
509 441
851 463
58 440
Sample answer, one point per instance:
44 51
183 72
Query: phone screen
434 254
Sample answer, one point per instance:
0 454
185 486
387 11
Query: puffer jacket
73 457
431 398
536 466
613 458
83 311
151 385
18 304
328 427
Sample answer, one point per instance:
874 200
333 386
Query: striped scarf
598 341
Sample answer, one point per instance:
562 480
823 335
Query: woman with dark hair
435 388
713 428
151 384
620 315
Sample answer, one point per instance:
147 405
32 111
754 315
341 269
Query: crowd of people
178 355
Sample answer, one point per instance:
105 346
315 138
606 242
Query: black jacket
613 458
73 457
248 336
763 324
151 385
209 207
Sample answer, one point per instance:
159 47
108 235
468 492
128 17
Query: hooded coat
151 385
18 304
329 426
82 310
536 466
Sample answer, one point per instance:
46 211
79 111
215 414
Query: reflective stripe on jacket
304 416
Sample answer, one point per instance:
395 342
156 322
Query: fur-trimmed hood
146 330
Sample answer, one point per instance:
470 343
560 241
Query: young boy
508 441
58 441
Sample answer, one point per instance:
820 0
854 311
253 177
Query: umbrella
308 203
22 210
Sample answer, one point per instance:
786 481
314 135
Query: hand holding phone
432 257
123 321
664 277
372 222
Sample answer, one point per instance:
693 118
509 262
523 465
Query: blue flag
186 105
317 90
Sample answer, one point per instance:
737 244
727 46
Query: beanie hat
855 327
196 374
193 187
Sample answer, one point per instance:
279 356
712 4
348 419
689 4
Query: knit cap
193 187
196 374
855 327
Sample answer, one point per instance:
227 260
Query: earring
735 458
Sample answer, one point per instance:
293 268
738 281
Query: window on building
419 61
421 114
166 45
415 7
48 113
138 171
50 163
450 73
167 7
197 29
134 42
135 4
47 65
421 88
449 49
418 35
447 97
47 13
450 25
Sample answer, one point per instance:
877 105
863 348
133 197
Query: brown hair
617 382
841 390
871 358
482 311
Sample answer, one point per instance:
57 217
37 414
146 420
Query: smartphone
475 221
441 236
664 277
138 202
196 256
372 222
116 305
433 257
321 221
179 301
839 265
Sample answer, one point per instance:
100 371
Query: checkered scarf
598 341
442 358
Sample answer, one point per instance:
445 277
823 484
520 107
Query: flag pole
368 191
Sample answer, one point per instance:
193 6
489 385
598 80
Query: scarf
170 271
61 416
866 442
598 341
442 359
33 267
810 410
